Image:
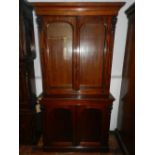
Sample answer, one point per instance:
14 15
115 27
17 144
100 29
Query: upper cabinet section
76 46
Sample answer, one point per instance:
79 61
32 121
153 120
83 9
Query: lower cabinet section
76 124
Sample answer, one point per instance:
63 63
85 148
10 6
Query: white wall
119 48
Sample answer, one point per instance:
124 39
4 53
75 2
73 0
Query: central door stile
75 127
76 56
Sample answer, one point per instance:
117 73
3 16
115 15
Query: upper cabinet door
58 45
93 31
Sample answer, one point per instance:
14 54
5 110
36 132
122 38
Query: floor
33 150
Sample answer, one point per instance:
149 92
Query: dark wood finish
76 42
126 119
27 96
80 124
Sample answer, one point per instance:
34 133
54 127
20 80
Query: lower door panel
90 119
58 125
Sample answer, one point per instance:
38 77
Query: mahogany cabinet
27 96
126 115
76 48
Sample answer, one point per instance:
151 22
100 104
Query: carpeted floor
36 150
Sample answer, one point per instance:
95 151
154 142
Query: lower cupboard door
58 126
90 125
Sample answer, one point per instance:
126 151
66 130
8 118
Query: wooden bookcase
76 48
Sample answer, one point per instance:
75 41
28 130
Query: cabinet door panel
59 125
90 125
58 42
91 120
59 47
92 41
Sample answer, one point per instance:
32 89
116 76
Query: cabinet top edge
78 4
77 8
